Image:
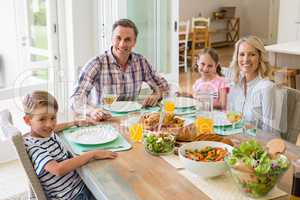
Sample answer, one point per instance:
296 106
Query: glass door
36 22
37 64
157 24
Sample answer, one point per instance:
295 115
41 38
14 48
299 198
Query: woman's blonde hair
39 99
264 67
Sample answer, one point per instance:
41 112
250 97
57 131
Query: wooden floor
186 79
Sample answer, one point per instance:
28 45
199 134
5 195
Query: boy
53 165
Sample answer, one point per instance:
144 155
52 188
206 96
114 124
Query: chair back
286 116
200 22
200 40
291 115
183 35
17 139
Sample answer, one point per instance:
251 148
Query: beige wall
254 14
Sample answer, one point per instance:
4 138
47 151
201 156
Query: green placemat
119 144
143 110
185 111
229 130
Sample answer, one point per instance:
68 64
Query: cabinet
224 31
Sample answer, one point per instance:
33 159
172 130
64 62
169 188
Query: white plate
183 102
123 106
93 135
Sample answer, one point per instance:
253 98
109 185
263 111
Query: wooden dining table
137 175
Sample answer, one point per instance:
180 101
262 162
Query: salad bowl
159 143
254 170
203 168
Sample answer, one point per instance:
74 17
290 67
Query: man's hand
99 115
85 122
152 100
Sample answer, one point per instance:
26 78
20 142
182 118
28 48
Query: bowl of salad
205 158
159 143
254 170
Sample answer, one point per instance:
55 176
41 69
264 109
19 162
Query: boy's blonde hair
39 99
264 67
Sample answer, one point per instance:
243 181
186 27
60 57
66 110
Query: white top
260 93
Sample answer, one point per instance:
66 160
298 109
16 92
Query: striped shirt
43 150
104 71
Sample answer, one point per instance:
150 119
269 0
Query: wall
289 14
253 18
8 42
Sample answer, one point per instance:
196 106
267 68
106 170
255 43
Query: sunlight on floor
12 179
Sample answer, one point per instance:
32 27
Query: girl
211 80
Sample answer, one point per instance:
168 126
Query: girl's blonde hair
264 67
214 55
38 99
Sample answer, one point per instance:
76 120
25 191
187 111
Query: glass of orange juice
204 125
136 132
169 106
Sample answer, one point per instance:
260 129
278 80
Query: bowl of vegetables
205 158
159 143
254 170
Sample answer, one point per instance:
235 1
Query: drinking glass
108 96
204 104
295 193
81 107
136 132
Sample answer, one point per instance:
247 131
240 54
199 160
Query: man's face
42 121
123 41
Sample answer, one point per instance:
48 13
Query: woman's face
206 66
248 59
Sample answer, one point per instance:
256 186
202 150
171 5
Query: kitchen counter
285 54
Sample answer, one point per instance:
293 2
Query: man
119 69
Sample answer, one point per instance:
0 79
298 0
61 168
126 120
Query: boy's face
42 121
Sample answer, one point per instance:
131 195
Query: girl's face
248 59
42 121
207 66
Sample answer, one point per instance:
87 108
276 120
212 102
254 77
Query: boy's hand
103 154
99 115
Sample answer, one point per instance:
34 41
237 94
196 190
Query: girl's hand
103 154
85 122
184 94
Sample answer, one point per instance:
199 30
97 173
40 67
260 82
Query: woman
251 73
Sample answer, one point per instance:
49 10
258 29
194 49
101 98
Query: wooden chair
200 40
184 28
200 22
36 189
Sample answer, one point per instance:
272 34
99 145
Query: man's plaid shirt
103 71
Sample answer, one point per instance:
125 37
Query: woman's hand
99 115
